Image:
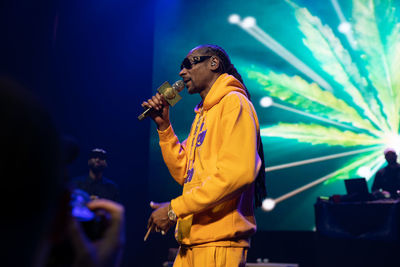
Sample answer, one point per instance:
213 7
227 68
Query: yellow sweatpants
211 257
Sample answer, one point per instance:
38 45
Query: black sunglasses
188 65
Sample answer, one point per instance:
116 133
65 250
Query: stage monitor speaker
271 264
268 264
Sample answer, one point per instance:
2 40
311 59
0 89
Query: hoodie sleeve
237 165
174 154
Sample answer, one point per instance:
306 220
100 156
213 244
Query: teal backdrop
328 118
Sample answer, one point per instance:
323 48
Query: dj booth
369 220
364 233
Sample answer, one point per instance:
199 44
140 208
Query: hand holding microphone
158 106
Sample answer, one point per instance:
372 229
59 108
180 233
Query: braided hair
226 66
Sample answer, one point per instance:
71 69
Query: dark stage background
90 63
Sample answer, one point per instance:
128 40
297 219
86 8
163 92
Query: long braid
227 67
260 188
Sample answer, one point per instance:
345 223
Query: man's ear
214 63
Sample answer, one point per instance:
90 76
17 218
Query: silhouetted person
388 178
32 170
95 183
30 173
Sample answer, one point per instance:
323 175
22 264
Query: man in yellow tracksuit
217 164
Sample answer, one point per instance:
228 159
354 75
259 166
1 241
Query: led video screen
323 77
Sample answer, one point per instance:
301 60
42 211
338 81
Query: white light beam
268 102
304 187
314 116
249 25
269 204
344 26
318 159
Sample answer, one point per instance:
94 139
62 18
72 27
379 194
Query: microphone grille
178 85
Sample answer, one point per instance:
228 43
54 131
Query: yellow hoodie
217 165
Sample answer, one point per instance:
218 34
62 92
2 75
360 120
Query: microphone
170 94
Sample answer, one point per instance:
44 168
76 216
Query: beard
97 169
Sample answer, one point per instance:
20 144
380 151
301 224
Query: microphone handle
144 114
165 91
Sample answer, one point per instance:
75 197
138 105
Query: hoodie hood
222 86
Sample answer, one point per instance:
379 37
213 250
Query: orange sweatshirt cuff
166 134
175 208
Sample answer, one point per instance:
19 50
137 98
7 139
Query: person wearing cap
388 178
96 184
